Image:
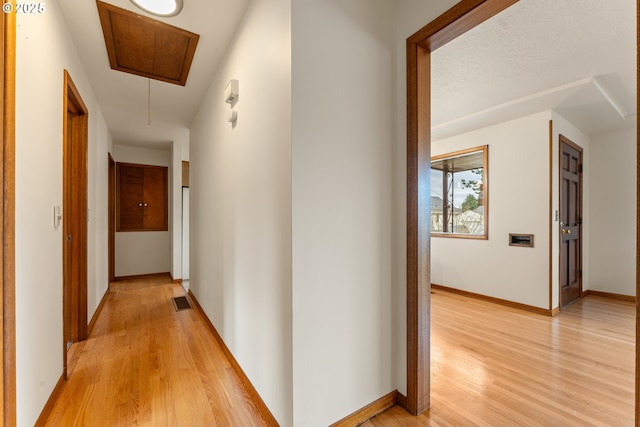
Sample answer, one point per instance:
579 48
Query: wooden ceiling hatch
146 47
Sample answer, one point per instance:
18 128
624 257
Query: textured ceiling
123 97
574 56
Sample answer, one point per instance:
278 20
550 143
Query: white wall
144 252
343 206
518 202
240 185
347 207
179 152
565 128
100 144
612 169
44 50
183 260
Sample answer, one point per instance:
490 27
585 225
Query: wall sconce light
231 95
231 92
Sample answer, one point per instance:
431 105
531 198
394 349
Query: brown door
74 211
570 222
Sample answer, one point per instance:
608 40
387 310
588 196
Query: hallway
147 364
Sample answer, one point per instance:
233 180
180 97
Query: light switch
57 216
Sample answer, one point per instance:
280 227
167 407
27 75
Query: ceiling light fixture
163 8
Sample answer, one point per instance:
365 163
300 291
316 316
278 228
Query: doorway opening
74 208
462 17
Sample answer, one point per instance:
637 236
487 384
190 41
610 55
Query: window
459 194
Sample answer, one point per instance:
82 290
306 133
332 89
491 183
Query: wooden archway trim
637 400
75 122
7 213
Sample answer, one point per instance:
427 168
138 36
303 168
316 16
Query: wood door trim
637 410
564 140
185 173
7 165
460 18
71 92
456 21
75 167
551 215
112 220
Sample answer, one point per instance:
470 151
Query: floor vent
181 303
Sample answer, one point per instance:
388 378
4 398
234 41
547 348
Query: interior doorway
462 17
465 15
570 222
74 209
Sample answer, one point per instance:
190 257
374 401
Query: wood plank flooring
494 366
145 364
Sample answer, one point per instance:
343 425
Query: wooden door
570 222
155 199
141 197
74 211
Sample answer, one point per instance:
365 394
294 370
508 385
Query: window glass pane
458 194
437 201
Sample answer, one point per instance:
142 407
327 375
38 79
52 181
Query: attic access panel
146 47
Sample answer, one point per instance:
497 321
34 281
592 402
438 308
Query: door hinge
580 168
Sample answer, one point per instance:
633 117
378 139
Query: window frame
485 191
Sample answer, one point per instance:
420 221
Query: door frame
459 19
462 17
7 213
564 140
75 122
112 220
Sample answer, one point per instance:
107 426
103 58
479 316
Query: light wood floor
493 366
145 364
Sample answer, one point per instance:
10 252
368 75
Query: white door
185 234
